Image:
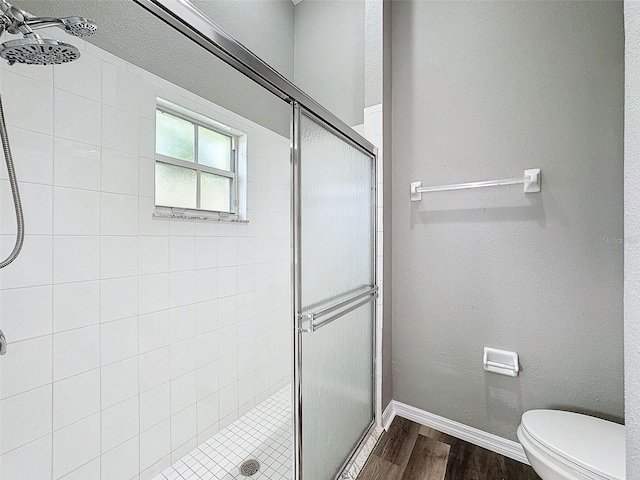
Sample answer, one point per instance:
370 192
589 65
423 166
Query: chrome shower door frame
189 21
305 323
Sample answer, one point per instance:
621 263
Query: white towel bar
531 181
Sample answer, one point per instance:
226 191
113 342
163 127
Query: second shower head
79 26
76 26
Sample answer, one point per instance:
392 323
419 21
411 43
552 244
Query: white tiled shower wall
131 338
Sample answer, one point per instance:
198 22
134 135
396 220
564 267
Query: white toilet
569 446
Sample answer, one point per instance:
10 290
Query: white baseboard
497 444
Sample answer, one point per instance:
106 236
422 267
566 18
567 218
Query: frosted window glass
214 149
337 391
174 137
175 186
215 192
337 217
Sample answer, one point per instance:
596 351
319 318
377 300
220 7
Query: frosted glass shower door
335 296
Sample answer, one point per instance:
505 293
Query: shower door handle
310 322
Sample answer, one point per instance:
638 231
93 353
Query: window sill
195 216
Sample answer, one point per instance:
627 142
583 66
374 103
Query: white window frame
237 138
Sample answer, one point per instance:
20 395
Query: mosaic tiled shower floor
264 433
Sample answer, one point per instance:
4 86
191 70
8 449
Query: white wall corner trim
496 444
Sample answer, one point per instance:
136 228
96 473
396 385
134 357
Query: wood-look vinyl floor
410 451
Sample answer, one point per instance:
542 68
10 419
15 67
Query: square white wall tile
206 316
155 444
75 305
118 256
75 445
88 471
32 267
227 278
183 392
119 172
76 351
76 165
118 298
153 293
206 380
82 77
119 340
183 427
19 464
77 118
123 461
206 348
25 418
154 330
155 368
120 88
147 140
206 252
26 312
182 287
39 116
120 423
183 323
155 406
183 357
35 151
153 255
76 212
207 412
182 253
119 382
28 366
146 170
75 398
206 284
120 130
118 214
36 199
76 259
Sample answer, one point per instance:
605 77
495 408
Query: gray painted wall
329 55
632 234
483 90
266 27
373 52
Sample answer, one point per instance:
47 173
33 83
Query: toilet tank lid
592 443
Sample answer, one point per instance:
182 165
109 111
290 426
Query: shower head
78 26
34 50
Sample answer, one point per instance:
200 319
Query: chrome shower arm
36 23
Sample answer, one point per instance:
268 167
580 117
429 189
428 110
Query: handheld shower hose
15 193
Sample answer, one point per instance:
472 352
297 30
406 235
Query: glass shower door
334 205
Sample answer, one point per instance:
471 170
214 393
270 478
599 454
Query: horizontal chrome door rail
309 321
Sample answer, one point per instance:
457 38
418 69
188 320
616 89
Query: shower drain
250 467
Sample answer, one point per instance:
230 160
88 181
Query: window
196 164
